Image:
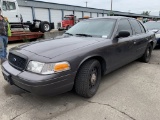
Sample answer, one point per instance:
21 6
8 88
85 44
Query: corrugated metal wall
53 12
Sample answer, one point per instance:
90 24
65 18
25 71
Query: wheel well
151 43
101 60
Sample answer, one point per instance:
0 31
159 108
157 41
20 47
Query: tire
88 78
32 29
147 55
60 29
45 26
68 27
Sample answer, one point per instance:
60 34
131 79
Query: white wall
78 14
94 15
87 14
56 17
42 14
68 12
26 13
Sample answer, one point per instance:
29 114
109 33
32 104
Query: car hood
56 47
155 30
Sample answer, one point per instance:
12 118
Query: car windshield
66 18
152 25
93 28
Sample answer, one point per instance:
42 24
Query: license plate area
7 77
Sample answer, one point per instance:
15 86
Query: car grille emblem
14 59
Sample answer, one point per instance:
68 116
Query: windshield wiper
86 35
69 34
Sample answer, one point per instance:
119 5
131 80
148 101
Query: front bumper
38 84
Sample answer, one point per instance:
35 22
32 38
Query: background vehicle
10 9
69 21
154 26
78 59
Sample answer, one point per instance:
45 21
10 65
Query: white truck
10 9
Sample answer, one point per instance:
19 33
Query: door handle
135 42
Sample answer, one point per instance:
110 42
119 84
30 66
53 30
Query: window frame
129 25
142 27
14 5
134 31
7 4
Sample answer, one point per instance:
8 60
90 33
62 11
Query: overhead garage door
26 13
94 15
42 14
78 14
68 13
87 14
105 15
100 15
56 17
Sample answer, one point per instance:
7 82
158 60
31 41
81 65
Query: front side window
136 27
8 5
4 6
12 5
124 25
95 28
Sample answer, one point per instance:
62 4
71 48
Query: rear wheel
147 55
88 78
45 26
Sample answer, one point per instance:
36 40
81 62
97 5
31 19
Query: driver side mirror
123 34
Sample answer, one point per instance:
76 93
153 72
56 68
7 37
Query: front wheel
147 55
68 27
88 78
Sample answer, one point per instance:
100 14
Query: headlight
157 35
48 68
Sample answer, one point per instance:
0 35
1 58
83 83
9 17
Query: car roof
112 17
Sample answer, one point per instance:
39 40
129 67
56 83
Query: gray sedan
78 59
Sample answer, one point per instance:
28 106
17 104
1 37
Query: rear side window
136 27
124 25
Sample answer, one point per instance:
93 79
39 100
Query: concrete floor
130 93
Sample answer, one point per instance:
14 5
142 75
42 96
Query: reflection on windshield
65 18
95 28
152 25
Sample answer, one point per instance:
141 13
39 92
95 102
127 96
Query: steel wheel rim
148 52
46 27
93 78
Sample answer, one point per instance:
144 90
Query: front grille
17 61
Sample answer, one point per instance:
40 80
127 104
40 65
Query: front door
123 49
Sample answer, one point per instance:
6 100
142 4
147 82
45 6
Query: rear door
140 39
10 10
